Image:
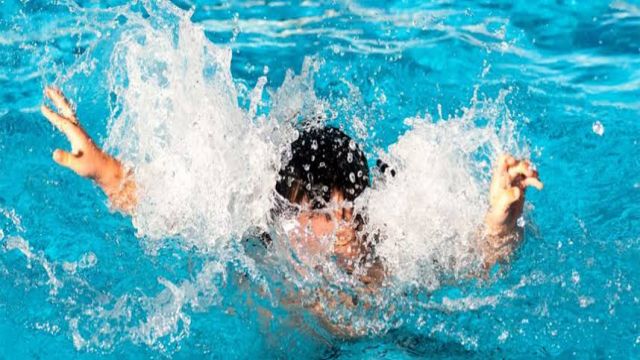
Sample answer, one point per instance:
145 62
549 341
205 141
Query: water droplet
585 301
352 177
306 167
503 336
350 157
520 222
598 128
314 145
352 145
575 277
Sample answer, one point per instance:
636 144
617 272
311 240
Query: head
326 173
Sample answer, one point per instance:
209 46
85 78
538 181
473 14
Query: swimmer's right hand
86 158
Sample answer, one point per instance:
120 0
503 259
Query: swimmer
326 173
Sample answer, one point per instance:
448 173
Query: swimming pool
558 81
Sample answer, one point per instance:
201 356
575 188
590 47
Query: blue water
85 281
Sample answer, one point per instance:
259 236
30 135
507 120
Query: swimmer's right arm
86 158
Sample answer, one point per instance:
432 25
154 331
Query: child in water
326 173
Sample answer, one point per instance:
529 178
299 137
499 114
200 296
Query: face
320 231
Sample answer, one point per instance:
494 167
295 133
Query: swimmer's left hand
510 179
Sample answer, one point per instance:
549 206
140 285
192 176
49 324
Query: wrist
117 183
498 225
110 175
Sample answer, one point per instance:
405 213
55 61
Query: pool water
199 98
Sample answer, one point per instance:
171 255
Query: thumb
64 158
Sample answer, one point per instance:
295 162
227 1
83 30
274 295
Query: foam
205 172
206 168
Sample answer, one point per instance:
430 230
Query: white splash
14 240
20 244
205 171
430 214
86 261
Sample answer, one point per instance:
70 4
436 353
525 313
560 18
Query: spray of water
206 171
430 213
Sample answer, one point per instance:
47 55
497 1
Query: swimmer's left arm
86 158
510 179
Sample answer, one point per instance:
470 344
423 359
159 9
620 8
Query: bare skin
510 179
500 237
336 222
86 158
501 234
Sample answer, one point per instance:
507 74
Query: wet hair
323 160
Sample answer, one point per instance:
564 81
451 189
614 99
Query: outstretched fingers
72 131
57 120
61 102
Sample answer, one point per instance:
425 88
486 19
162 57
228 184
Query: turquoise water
558 81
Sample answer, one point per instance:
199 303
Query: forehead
336 197
337 207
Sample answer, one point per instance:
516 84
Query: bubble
597 128
503 336
575 277
350 157
585 301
